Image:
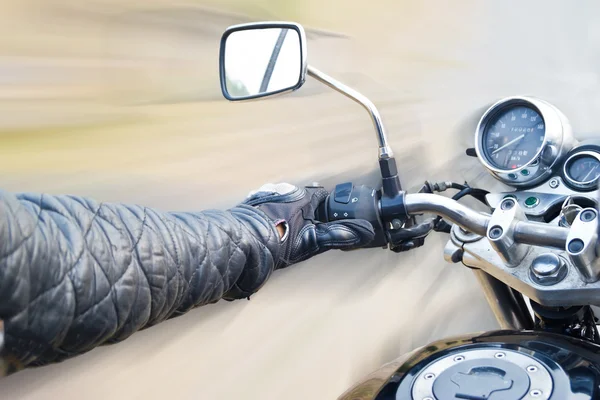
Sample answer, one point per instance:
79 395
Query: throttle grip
355 202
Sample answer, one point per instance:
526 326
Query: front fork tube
507 304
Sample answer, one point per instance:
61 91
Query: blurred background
120 101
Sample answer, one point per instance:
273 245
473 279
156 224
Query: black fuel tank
489 366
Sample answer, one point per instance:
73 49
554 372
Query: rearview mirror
262 59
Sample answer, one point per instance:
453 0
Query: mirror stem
387 164
385 152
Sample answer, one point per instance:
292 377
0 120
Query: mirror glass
258 62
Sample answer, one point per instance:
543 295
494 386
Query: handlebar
526 232
452 210
362 202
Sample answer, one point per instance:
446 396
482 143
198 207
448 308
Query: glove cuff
262 257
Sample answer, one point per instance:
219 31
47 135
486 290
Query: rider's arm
75 274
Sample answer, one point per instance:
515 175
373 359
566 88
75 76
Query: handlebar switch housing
356 202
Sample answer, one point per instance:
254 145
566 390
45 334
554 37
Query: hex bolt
499 355
587 215
496 232
575 246
554 183
507 204
535 393
532 368
548 269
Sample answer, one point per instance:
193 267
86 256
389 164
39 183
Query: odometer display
513 137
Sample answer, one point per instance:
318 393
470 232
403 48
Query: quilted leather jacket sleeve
75 274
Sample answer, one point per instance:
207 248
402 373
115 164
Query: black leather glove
304 237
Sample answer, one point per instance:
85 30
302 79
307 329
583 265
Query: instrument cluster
525 141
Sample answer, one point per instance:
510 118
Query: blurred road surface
119 100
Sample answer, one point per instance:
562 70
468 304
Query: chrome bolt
499 355
429 376
575 246
554 183
535 393
587 215
459 358
507 204
548 269
532 368
496 232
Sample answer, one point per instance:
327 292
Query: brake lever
411 235
407 245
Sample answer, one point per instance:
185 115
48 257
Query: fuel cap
482 379
484 374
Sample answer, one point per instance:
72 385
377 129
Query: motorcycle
535 253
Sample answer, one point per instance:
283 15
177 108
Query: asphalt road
121 103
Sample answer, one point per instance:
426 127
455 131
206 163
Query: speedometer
514 137
520 140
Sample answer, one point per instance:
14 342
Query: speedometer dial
513 137
522 140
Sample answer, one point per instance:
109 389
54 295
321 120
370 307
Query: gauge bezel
574 183
558 141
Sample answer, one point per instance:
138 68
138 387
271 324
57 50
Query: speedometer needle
589 173
508 144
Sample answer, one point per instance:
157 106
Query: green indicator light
512 176
525 172
532 201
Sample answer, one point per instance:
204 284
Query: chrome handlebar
526 232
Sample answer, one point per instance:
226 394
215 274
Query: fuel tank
489 366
